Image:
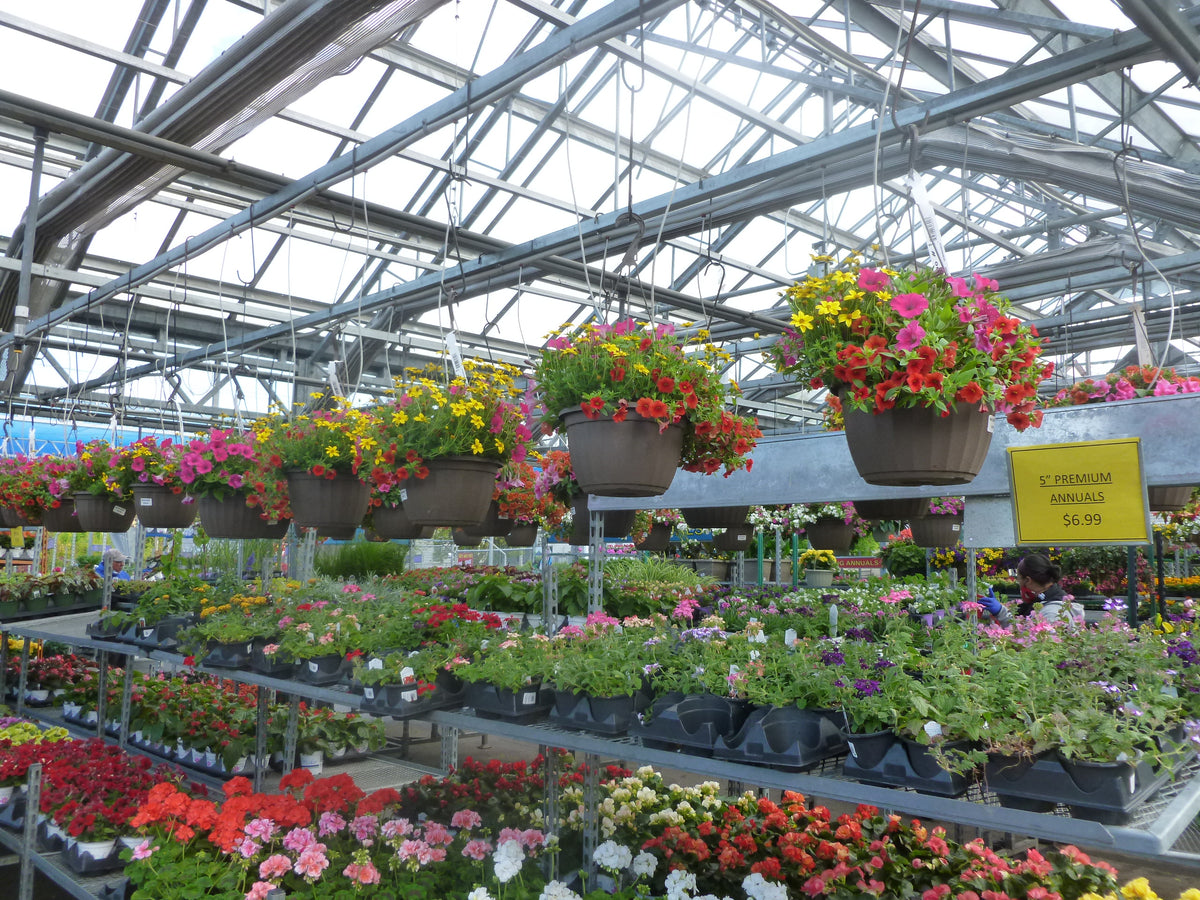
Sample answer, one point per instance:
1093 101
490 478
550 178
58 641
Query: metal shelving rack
1156 828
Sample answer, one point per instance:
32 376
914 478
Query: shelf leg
449 748
33 802
3 664
23 677
260 737
102 695
550 814
292 736
591 813
126 703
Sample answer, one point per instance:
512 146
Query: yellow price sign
1082 493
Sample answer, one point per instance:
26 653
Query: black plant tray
228 656
162 636
102 631
116 890
83 864
401 701
321 670
526 705
189 763
908 764
1108 794
783 737
12 813
600 715
693 722
271 666
50 843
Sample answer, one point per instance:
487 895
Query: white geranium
680 885
556 890
758 888
613 856
480 893
508 859
644 864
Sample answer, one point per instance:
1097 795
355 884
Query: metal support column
101 692
1132 584
1161 606
759 539
551 790
33 802
550 599
260 738
972 578
595 561
22 677
3 665
126 703
137 563
795 561
28 242
591 813
778 555
292 735
449 749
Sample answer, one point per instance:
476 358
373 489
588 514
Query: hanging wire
566 117
884 105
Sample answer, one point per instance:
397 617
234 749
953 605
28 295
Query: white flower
556 890
613 856
508 858
758 888
644 864
680 885
480 893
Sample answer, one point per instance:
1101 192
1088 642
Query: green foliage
361 559
83 560
502 593
904 558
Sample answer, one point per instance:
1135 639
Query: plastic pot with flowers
652 529
916 360
506 678
33 486
404 684
152 469
442 441
599 675
556 482
638 401
518 501
236 494
819 567
102 489
321 456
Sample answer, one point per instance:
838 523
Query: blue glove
990 603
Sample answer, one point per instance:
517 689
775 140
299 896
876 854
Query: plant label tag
956 526
250 648
754 654
409 696
403 495
853 752
733 669
1132 782
789 637
119 510
369 693
529 698
407 674
455 355
313 667
375 663
146 632
146 501
991 424
933 729
833 619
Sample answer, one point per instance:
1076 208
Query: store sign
1081 493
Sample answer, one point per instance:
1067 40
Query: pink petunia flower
910 337
909 306
872 279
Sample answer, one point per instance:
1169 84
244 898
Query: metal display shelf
1157 825
53 866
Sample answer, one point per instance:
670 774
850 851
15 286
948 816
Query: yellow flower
332 452
1138 889
641 369
476 421
476 447
499 445
1190 894
829 308
802 320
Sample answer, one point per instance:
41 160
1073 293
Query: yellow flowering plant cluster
819 559
326 443
480 414
149 461
94 469
915 338
651 371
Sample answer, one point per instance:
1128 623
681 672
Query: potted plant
906 355
652 528
237 497
819 567
638 401
152 469
832 526
519 502
441 442
941 525
103 491
557 480
320 454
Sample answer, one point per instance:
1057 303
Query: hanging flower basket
937 531
103 514
734 539
321 502
392 523
918 445
464 538
716 516
1169 499
9 517
62 518
631 458
455 493
829 533
617 522
522 535
891 510
232 518
818 578
657 539
337 532
492 525
159 507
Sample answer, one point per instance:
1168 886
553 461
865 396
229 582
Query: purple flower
833 658
910 337
867 687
